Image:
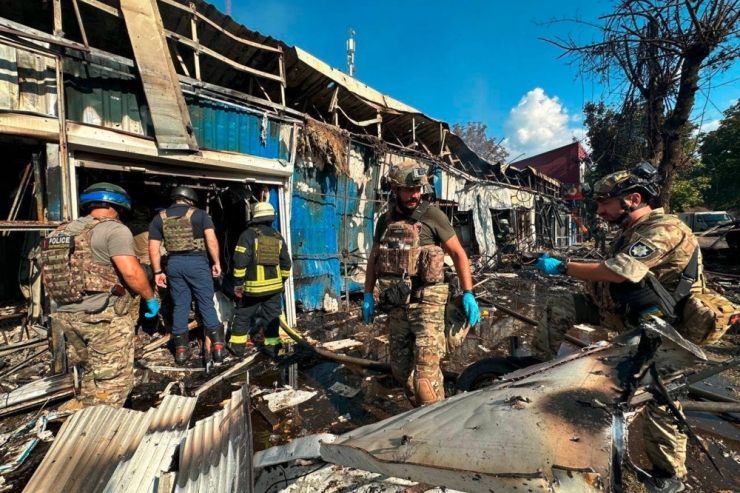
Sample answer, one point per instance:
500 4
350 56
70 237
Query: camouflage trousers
665 443
417 344
102 344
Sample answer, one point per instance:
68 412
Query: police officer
650 243
90 271
188 233
261 267
407 260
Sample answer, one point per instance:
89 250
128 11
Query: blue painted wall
320 230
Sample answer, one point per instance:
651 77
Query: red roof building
566 164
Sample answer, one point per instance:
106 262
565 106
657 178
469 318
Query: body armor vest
69 270
400 253
178 233
263 276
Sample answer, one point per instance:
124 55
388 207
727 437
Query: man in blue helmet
91 272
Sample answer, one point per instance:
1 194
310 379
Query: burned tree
659 54
474 135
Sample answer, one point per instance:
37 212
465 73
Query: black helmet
186 193
105 193
643 177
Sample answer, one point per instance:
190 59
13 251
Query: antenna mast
351 53
228 7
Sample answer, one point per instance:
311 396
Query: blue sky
458 61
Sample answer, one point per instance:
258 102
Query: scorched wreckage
157 95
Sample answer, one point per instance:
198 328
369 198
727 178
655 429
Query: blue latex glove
471 308
368 307
152 308
548 265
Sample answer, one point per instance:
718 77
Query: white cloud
538 124
709 125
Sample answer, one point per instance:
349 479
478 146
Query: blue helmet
105 193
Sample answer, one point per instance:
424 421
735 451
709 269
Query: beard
407 207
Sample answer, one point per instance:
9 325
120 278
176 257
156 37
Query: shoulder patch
641 249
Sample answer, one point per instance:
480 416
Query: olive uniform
657 243
93 306
417 339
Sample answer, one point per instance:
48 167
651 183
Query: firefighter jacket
69 270
261 261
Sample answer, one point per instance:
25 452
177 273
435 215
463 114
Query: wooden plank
18 29
207 51
268 415
236 38
341 344
57 6
194 35
105 8
172 126
223 376
80 24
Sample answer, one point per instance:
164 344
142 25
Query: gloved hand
368 307
152 308
471 308
548 265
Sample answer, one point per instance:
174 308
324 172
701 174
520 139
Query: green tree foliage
720 152
689 189
474 135
658 54
615 137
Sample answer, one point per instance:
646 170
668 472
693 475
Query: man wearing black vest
188 233
261 266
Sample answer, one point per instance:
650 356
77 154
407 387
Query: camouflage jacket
657 242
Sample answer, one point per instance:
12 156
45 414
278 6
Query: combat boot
218 348
663 484
182 347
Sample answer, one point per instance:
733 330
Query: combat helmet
408 174
186 193
642 178
105 194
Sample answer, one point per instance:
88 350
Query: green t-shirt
435 227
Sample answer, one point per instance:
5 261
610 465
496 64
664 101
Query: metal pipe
340 358
711 407
710 396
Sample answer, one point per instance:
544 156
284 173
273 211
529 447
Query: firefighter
407 260
654 267
505 239
189 236
261 267
91 272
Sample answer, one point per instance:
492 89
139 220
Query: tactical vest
264 276
69 270
400 253
178 233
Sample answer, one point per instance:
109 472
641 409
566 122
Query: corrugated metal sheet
106 98
563 163
216 455
226 127
320 229
101 449
27 82
47 388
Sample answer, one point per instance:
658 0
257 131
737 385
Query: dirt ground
378 395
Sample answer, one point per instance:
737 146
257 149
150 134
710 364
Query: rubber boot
218 347
182 347
273 351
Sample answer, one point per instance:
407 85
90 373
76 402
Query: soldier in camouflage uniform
407 261
650 242
90 270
